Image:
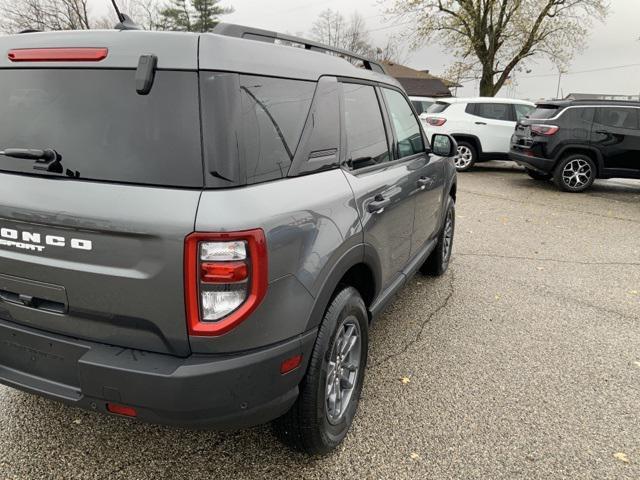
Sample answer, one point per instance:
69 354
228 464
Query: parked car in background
482 126
202 236
421 104
575 142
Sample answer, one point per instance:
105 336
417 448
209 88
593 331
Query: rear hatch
522 137
93 248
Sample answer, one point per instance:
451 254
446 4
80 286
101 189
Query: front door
616 133
427 171
381 186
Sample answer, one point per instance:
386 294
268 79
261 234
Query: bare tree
18 15
333 29
494 36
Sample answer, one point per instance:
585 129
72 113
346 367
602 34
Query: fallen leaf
405 380
497 297
637 364
621 456
77 421
540 268
633 292
414 456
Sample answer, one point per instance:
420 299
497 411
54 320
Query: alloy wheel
343 369
448 238
464 157
577 173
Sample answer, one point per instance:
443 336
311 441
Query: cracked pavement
523 362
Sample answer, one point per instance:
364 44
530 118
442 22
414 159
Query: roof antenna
125 22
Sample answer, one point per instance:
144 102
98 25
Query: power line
601 69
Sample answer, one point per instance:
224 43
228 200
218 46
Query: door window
405 123
494 111
618 117
366 137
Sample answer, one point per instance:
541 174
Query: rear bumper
542 165
222 391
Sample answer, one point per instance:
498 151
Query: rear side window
366 137
544 111
421 106
251 126
494 111
101 127
438 107
522 111
405 124
618 117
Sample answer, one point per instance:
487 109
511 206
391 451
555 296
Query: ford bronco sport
196 229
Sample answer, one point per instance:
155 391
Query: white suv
482 126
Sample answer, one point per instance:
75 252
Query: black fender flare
462 136
598 154
358 254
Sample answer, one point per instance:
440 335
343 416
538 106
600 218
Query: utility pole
559 78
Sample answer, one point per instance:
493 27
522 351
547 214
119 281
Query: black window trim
396 152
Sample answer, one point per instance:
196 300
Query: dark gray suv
197 229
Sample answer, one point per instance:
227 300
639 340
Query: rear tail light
225 279
436 121
82 54
545 130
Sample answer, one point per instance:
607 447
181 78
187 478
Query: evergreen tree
192 15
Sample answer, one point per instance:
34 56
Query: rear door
616 133
96 251
409 146
382 186
495 124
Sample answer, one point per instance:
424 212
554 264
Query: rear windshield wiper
47 159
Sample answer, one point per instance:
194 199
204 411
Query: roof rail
240 31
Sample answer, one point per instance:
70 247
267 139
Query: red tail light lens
225 279
545 130
290 364
436 121
58 54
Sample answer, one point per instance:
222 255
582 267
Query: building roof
417 82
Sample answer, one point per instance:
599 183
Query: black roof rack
240 31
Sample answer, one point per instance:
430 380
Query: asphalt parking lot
523 361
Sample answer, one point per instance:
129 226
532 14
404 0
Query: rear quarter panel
310 222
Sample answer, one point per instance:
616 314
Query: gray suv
197 229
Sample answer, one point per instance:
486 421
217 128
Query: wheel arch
359 268
592 152
469 138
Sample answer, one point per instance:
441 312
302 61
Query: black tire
584 169
538 175
438 261
307 426
465 148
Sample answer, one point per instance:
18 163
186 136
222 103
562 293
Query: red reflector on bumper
58 54
122 410
290 364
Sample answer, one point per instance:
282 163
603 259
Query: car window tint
405 124
251 126
101 127
618 117
495 111
522 110
421 106
544 111
366 137
438 107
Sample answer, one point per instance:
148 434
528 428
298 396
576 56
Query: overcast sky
609 47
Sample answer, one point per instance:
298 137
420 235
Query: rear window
101 127
438 107
421 106
544 111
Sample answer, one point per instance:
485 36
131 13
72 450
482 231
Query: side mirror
443 145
